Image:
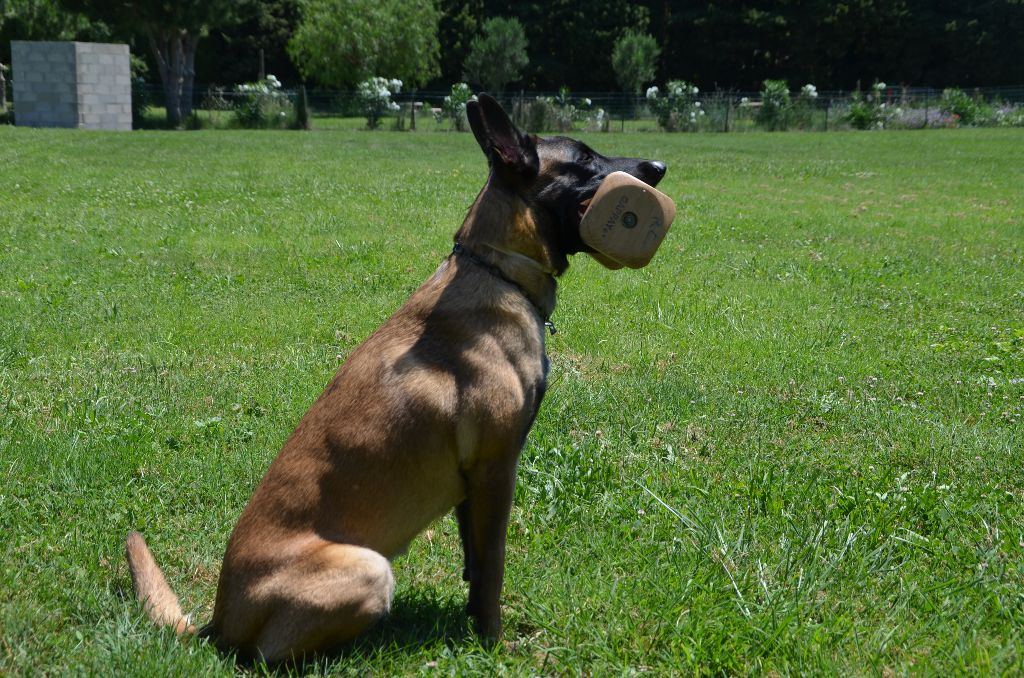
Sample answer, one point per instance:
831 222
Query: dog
430 413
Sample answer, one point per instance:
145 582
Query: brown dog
429 413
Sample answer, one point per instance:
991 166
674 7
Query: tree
460 21
173 30
571 41
339 43
498 55
634 60
231 53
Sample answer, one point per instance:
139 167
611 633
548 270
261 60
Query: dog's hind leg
321 599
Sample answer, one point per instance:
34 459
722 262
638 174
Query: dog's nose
655 167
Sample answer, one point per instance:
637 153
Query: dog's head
555 177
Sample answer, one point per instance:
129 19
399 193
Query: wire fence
713 111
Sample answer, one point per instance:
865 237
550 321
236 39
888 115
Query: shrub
374 95
141 97
453 108
261 104
568 110
774 113
868 111
1008 115
912 117
968 110
802 114
539 114
679 109
598 121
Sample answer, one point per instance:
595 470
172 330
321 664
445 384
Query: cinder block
72 84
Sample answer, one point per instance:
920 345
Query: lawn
792 444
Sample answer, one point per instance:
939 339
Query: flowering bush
868 111
968 111
568 110
804 106
598 121
913 117
374 95
261 104
678 110
774 113
1008 115
558 113
454 106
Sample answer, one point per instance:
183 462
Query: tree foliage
231 53
44 20
498 54
837 44
339 43
635 60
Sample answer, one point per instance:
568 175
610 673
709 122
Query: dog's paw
488 627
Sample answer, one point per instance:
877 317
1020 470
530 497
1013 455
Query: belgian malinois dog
429 413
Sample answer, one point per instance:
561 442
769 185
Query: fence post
728 108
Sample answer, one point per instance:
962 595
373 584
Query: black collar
459 248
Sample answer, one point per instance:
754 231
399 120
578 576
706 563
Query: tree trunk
175 52
189 42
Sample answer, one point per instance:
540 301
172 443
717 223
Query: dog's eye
586 158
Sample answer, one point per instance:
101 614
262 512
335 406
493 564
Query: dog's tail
152 589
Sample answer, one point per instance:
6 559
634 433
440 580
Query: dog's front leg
466 536
483 524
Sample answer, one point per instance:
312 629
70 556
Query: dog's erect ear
511 153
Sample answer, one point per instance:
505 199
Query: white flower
745 101
702 111
697 104
652 92
694 90
587 101
880 85
395 86
392 106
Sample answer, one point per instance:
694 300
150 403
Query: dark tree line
738 44
722 43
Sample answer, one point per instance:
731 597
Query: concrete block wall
71 84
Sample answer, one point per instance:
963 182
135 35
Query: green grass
792 444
